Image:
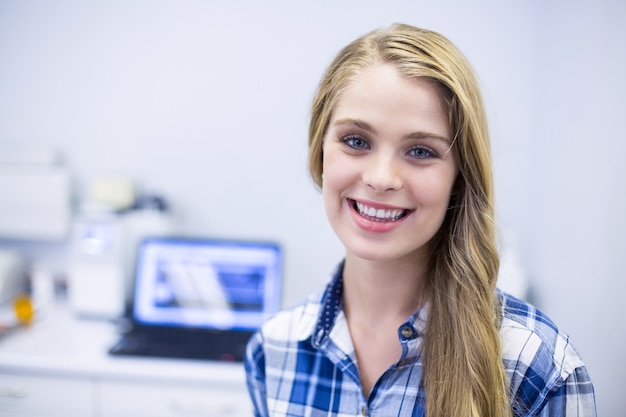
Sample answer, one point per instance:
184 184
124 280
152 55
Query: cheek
436 190
337 171
329 178
340 180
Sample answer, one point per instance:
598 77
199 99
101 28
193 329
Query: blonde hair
463 370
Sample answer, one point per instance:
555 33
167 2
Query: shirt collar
332 304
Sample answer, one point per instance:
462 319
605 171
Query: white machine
12 275
35 196
103 252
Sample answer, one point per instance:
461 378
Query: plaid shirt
302 363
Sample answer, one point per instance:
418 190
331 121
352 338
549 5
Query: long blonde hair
463 370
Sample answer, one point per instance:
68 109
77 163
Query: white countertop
59 343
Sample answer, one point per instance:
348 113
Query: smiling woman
387 185
411 323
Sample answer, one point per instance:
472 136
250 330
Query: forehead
383 97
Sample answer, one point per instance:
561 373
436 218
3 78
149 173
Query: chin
373 254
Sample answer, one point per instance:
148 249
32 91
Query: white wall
207 103
576 188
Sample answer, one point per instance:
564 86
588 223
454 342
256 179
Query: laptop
200 298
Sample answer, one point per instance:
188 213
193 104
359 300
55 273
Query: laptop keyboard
210 345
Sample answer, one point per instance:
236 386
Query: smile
378 214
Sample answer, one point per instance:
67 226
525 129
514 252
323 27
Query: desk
59 366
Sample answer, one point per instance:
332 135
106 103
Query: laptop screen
206 283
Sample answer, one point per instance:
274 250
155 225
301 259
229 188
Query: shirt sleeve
254 363
573 398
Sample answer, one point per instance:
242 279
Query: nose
382 173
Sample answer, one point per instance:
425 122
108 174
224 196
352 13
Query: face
388 167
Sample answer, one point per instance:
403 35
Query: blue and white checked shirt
302 363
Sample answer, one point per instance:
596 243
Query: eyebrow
369 128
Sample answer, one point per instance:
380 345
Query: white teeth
380 214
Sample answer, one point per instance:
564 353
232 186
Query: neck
383 291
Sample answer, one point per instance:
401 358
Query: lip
377 225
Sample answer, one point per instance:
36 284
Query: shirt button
406 332
364 410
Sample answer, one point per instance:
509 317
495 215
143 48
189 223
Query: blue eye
355 142
421 152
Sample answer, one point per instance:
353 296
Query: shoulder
295 323
527 331
280 337
282 334
528 335
540 359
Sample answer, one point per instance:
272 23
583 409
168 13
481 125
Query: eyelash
349 140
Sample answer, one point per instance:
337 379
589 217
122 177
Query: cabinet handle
14 392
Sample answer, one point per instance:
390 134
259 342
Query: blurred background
198 111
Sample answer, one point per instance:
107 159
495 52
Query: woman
411 323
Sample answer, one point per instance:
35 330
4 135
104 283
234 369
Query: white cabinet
123 399
44 396
59 367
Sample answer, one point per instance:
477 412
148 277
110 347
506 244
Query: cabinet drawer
123 399
45 396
